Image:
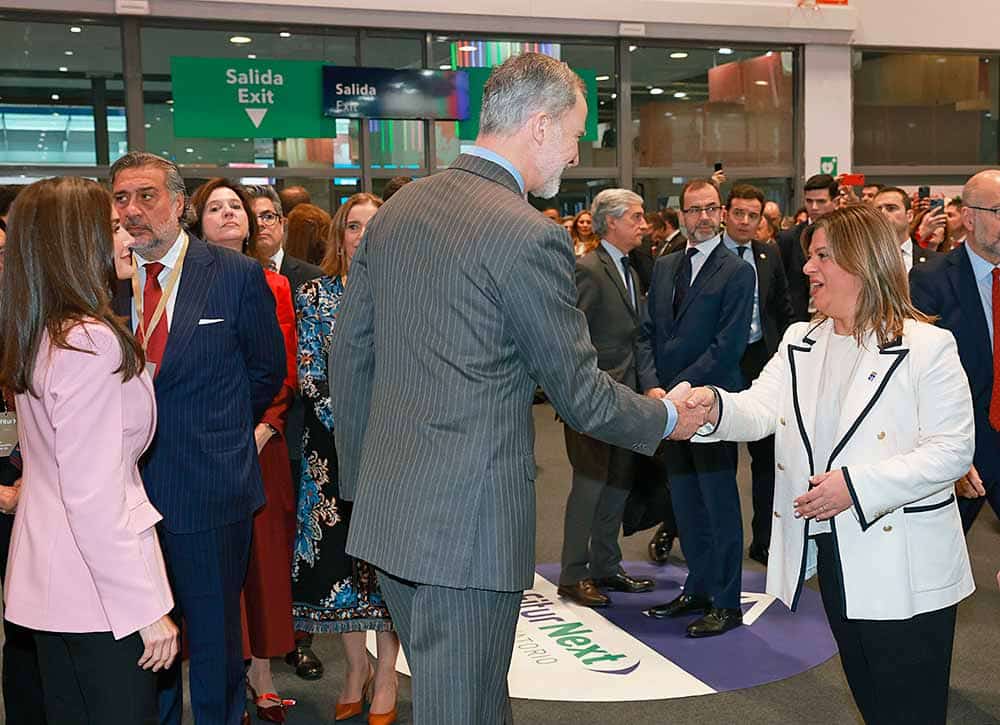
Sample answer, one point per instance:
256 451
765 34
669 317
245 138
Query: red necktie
995 396
151 294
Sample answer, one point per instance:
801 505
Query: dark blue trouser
207 569
707 506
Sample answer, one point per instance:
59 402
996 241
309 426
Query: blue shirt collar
499 160
980 267
615 252
732 244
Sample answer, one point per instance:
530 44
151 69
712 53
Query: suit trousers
92 679
594 519
207 570
707 506
458 644
969 507
898 670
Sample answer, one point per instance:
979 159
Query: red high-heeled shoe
270 707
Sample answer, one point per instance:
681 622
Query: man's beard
549 188
698 236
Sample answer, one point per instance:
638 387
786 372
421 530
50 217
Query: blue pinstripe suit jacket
459 300
216 380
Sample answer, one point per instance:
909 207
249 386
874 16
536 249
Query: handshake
695 407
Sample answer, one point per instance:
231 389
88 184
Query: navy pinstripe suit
459 300
201 471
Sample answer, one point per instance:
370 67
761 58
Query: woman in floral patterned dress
334 592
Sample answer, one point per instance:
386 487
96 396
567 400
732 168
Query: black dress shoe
758 554
660 545
307 665
622 582
717 621
684 604
584 593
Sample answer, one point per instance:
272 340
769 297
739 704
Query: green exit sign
240 97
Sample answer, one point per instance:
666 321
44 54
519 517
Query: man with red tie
962 288
206 319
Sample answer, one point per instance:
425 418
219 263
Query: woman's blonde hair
862 242
335 262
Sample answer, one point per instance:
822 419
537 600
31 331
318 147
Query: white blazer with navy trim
906 433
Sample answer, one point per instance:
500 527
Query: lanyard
161 306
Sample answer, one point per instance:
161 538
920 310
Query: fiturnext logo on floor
565 636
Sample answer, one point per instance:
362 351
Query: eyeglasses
995 211
741 215
268 218
697 211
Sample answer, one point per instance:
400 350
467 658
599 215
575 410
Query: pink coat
84 556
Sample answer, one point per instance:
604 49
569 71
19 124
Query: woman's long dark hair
199 199
59 271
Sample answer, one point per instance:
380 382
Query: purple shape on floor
779 644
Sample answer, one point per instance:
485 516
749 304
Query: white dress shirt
277 259
169 261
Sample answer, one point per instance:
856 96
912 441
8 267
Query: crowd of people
240 418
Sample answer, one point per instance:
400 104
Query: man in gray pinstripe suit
460 299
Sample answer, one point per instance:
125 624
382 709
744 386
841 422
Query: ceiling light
148 125
54 96
633 48
170 101
655 91
602 78
446 66
284 34
240 40
40 146
189 150
725 51
468 48
63 69
679 55
67 52
614 96
252 56
760 83
75 29
680 94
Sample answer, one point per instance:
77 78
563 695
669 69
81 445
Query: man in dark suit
697 322
674 240
962 288
207 321
821 193
771 316
461 298
895 205
607 293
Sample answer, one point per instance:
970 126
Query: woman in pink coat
85 571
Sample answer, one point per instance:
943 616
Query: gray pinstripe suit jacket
459 300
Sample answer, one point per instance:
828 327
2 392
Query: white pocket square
210 321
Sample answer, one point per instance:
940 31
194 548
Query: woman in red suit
225 217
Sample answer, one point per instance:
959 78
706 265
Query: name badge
8 433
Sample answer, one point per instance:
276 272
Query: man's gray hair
175 182
611 203
265 191
523 86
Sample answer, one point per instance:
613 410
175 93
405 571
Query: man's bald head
981 214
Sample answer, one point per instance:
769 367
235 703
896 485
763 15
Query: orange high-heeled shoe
347 710
382 718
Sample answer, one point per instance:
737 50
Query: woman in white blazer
872 418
